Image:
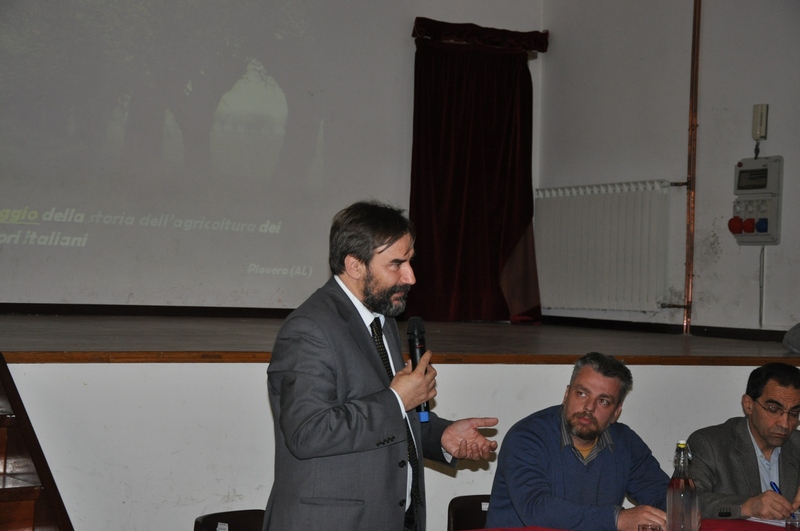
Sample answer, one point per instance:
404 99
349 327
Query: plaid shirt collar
603 441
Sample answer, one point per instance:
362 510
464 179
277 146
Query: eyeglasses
777 412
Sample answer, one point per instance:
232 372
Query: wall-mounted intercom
757 184
760 113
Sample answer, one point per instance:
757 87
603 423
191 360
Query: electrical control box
757 184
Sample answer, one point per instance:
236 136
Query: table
736 525
706 525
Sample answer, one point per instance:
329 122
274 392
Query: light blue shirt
768 469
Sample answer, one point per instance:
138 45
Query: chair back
467 512
244 520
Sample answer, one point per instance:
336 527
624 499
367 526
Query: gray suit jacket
340 448
725 468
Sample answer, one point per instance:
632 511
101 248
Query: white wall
748 56
615 100
615 108
148 447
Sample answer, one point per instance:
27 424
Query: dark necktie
377 335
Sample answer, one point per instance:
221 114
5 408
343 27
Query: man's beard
381 301
587 433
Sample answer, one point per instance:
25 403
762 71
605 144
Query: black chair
467 512
245 520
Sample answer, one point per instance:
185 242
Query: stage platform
167 339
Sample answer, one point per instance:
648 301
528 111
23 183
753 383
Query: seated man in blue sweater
571 466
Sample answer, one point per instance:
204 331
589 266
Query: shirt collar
603 441
366 314
767 469
776 452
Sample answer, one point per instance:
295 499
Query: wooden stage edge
23 357
58 339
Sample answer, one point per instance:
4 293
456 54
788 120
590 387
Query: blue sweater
539 483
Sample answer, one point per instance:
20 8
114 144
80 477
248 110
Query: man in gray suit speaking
349 445
741 467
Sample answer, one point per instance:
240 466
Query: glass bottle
683 512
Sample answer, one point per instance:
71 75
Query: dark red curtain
471 190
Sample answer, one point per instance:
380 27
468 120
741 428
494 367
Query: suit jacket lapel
358 331
788 469
749 473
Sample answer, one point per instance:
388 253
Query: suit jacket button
402 503
401 464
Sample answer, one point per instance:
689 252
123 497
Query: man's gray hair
608 366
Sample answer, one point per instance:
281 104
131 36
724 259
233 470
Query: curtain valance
532 41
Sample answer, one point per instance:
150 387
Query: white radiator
602 247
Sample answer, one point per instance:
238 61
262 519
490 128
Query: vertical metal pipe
691 174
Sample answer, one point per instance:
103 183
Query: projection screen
192 152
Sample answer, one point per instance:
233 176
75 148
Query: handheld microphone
416 349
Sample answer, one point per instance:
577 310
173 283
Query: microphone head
416 327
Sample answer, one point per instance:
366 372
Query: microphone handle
416 349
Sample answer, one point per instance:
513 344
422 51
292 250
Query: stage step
29 498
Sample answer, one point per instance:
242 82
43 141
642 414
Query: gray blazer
725 468
340 438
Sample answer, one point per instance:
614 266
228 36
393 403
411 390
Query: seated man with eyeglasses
736 464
